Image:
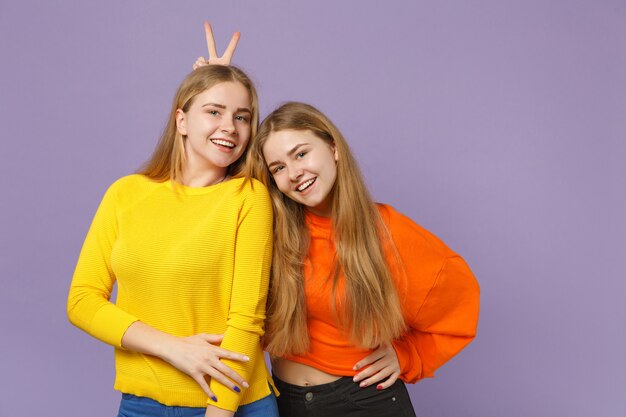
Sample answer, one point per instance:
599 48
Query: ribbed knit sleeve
88 305
440 299
246 317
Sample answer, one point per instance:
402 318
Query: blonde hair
166 162
370 311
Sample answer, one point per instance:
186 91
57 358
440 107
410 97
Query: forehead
281 142
229 93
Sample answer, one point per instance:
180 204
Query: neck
325 209
321 212
203 178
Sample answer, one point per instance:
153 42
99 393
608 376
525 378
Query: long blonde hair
166 162
370 313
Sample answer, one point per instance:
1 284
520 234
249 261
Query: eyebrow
291 152
221 106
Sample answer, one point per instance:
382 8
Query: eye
241 118
277 169
300 155
213 112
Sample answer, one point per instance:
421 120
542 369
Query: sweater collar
318 226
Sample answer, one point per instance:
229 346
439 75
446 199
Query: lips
223 142
306 184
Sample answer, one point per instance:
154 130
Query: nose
295 174
228 126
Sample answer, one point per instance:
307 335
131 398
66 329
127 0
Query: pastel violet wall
498 125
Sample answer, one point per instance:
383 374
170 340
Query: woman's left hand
379 365
214 59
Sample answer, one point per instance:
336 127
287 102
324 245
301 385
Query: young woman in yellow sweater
361 299
188 240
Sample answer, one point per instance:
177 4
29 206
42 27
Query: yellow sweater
192 261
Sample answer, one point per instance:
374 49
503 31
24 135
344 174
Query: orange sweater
438 292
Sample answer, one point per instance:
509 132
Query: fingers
369 371
213 57
380 376
389 382
211 338
232 45
219 370
210 40
218 376
229 354
200 62
371 358
220 373
205 386
379 365
373 375
227 372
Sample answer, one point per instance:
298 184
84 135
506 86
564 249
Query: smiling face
216 128
304 167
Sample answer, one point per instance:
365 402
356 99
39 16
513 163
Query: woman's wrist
142 338
212 411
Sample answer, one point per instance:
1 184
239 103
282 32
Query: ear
334 148
181 122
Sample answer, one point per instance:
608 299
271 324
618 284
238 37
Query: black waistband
343 382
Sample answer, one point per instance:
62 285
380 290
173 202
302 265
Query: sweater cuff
110 323
410 362
243 342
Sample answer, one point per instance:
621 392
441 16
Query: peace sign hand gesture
214 59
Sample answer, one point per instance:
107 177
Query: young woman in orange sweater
361 298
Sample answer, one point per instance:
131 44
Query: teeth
223 143
306 185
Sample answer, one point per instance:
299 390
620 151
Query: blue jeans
133 406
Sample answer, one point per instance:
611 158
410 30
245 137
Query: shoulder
249 188
131 181
420 255
249 198
407 234
249 185
129 187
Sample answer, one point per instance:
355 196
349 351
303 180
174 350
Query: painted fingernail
245 384
379 387
237 389
214 398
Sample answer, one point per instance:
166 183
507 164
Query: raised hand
214 59
382 364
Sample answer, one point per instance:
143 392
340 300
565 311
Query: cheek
334 173
331 171
281 184
244 133
244 142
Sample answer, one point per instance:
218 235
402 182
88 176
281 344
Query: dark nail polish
236 388
214 398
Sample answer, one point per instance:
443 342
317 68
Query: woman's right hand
214 59
199 356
